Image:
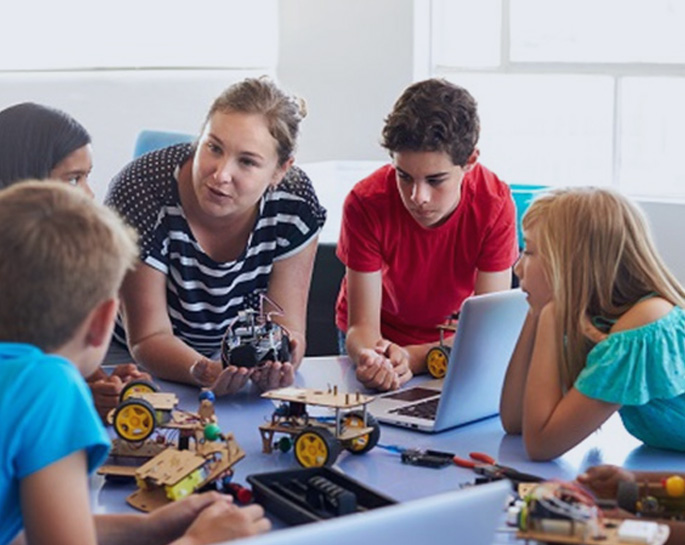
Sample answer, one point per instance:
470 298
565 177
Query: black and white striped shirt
203 295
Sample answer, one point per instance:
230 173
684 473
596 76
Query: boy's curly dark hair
434 115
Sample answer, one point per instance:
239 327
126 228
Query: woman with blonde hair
605 331
222 222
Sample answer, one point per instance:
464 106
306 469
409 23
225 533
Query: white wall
667 220
350 60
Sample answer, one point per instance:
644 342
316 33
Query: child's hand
273 374
223 521
399 358
196 519
603 480
376 371
106 392
128 372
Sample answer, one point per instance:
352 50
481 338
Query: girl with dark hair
40 142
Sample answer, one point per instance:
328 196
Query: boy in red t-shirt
421 235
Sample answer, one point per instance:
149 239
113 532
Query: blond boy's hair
600 260
61 255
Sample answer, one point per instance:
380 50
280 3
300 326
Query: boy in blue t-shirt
62 260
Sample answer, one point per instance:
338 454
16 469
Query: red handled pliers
485 465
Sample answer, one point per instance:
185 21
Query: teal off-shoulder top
643 370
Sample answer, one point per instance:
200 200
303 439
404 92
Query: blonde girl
605 330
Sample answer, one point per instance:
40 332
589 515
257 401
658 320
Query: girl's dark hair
34 139
434 115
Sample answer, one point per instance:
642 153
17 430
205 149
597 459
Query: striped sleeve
295 210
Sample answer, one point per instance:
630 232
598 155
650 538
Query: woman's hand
210 374
273 374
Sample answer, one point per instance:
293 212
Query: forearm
554 421
359 338
548 433
130 529
299 349
655 476
513 388
677 535
166 356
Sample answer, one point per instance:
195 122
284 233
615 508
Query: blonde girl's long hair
600 259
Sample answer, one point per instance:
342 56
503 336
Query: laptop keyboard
426 409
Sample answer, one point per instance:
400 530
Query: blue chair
523 195
148 141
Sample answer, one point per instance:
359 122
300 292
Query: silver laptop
487 331
470 515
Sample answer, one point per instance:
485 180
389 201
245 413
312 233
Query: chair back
148 141
322 333
523 195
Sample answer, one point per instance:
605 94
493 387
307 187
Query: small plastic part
675 486
242 494
637 531
285 443
513 513
207 394
212 432
427 458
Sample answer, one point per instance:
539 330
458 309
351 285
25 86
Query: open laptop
473 514
487 331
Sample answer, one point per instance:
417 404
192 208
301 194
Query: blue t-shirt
643 370
47 414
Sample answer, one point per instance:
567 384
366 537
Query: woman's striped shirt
203 295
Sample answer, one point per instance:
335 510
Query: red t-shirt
427 272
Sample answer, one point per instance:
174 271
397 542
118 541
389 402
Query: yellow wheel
316 447
134 420
137 387
436 361
363 443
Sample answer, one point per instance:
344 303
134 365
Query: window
572 93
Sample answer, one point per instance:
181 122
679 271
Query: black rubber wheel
284 350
